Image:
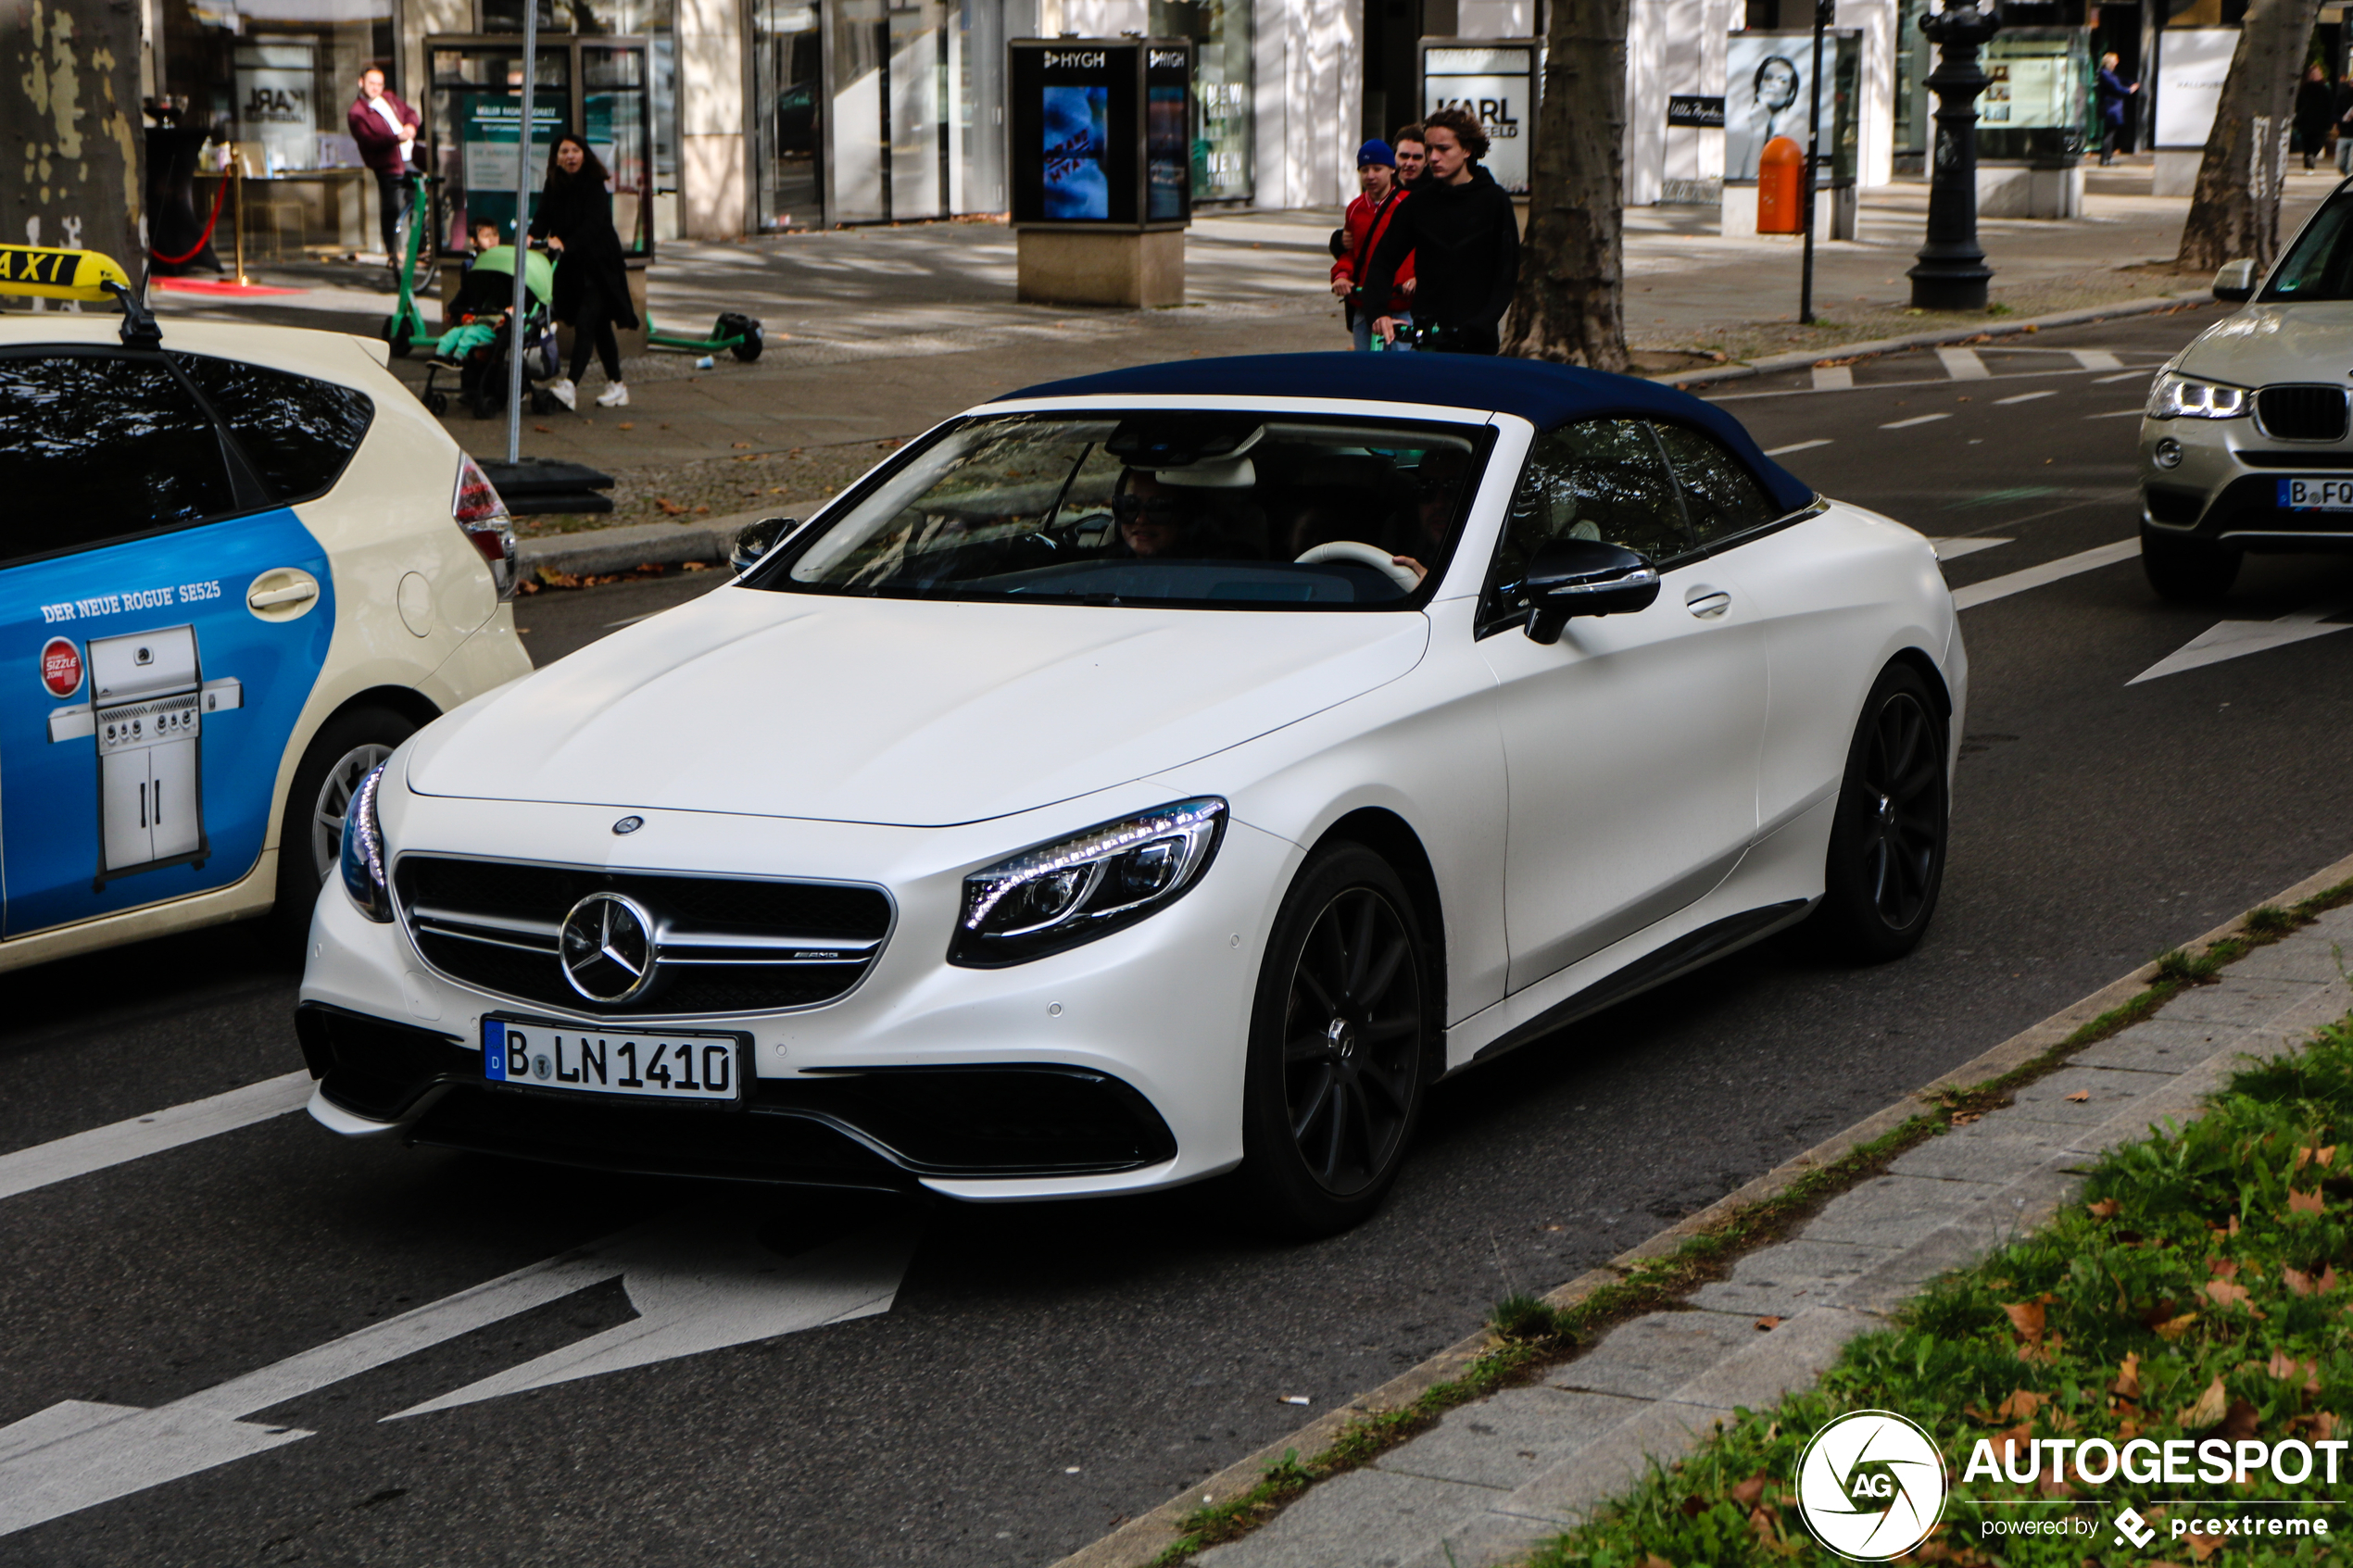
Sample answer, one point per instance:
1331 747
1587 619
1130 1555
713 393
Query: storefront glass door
788 74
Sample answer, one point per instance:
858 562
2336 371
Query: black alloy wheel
2189 572
1886 861
1339 1046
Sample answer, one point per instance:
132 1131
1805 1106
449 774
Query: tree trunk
1571 306
70 148
2236 210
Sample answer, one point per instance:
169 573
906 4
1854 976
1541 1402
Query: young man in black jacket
1464 238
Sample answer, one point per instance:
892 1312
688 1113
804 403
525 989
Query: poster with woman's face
1765 96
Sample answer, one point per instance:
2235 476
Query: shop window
1223 102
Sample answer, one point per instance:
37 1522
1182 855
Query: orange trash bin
1780 194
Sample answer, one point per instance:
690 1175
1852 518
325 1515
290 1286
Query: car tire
1340 1038
309 840
1886 861
2189 572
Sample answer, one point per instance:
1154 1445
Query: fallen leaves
2128 1379
2080 1096
1748 1491
2203 1546
1963 1118
2028 1321
2172 1329
2306 1202
2211 1407
2302 1284
669 507
2224 1294
2322 1157
2106 1209
1767 1324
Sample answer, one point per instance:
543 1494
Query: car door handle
1708 603
290 594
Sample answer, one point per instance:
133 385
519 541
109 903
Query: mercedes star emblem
608 950
628 825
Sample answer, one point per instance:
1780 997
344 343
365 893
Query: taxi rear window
297 430
101 447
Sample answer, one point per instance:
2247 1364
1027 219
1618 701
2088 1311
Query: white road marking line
1954 549
64 1159
2095 358
2116 414
2025 397
698 1281
1915 420
1797 446
2128 375
1962 364
2049 572
1833 378
2235 639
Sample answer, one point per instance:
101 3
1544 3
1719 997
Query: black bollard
1952 273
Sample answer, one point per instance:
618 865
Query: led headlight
2174 396
1089 884
363 850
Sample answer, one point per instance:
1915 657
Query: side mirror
2234 283
754 540
1572 577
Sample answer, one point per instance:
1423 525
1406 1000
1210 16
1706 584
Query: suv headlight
363 851
2175 396
1060 895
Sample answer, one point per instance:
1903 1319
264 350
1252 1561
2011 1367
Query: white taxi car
1151 774
244 566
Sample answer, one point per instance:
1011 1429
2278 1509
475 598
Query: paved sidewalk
1498 1476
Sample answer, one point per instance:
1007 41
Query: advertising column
1098 159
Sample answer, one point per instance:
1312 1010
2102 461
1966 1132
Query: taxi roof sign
47 272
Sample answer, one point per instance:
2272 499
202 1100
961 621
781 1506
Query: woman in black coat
592 282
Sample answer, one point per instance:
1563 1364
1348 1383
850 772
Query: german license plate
604 1061
2317 495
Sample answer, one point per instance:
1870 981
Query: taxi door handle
1708 603
292 593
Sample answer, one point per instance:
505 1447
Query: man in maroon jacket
1366 221
386 131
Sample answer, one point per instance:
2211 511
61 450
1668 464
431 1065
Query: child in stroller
475 337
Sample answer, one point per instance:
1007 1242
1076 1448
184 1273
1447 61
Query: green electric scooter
404 330
732 332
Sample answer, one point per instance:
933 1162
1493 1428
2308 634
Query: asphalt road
1044 1371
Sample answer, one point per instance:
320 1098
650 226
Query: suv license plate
2317 495
664 1066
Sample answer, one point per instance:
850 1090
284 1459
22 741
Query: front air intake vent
2301 413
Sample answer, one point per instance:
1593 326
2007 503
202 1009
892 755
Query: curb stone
1501 1525
1800 360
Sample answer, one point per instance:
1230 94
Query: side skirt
1690 951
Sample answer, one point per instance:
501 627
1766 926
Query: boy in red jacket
1367 221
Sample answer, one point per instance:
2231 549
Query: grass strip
2194 1294
1533 1337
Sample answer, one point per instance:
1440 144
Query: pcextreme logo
1870 1485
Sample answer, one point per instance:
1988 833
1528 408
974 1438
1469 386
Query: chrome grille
726 944
2301 413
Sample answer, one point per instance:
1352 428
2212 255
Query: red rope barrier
202 240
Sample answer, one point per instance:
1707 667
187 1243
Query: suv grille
2301 413
726 945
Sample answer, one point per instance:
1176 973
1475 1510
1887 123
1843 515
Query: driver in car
1175 523
1437 484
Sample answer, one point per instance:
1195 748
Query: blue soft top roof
1545 395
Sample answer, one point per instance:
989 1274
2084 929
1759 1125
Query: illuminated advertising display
1100 133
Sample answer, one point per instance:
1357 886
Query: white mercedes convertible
1147 777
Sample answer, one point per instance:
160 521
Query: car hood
2266 343
901 713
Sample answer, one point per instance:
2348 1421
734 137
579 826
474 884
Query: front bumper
1113 1067
2224 490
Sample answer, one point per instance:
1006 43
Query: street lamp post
1952 273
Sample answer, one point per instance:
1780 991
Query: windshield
1235 510
2321 267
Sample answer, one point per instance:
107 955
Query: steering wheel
1364 555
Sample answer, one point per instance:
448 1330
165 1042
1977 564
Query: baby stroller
474 338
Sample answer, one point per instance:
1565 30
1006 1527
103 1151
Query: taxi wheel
310 840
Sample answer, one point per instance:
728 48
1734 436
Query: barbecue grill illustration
149 699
